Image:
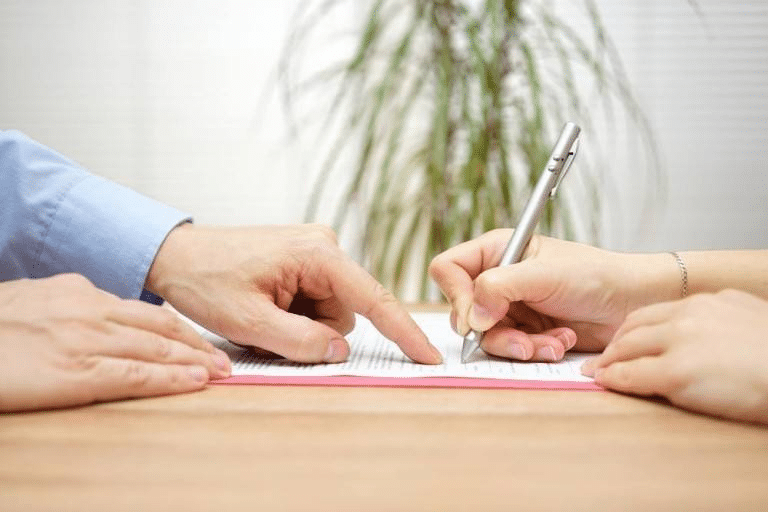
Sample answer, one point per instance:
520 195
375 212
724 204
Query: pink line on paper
408 382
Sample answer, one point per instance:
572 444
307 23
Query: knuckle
676 374
329 233
329 254
382 294
69 341
489 291
136 375
621 376
177 378
700 302
437 266
163 349
73 358
730 294
323 233
616 347
487 281
314 244
382 298
171 324
682 327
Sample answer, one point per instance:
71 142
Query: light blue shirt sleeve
55 217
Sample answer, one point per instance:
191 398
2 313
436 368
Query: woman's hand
562 295
707 353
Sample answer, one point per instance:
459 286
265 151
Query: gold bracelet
683 273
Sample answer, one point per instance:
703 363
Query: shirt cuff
150 297
109 234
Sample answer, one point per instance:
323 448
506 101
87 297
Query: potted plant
444 116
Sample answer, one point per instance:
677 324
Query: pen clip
566 165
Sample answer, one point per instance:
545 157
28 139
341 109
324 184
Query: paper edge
406 382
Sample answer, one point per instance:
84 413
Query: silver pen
546 188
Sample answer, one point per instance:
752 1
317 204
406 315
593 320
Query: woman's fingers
654 314
644 376
547 346
646 332
646 340
455 269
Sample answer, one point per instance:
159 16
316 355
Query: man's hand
289 290
63 342
707 353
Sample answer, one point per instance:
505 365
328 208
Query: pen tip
467 349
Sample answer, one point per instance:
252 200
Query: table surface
297 448
330 448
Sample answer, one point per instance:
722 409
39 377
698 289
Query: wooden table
377 449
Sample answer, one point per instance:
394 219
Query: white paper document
373 355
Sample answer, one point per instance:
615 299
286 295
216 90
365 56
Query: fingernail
588 368
198 374
461 327
221 360
568 339
335 352
546 354
438 356
459 315
480 318
517 351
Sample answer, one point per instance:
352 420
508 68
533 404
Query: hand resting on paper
64 342
707 353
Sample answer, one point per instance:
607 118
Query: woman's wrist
652 278
661 277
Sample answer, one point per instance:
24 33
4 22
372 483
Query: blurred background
179 100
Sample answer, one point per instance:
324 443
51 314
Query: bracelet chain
683 272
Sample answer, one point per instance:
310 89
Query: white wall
169 97
703 80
